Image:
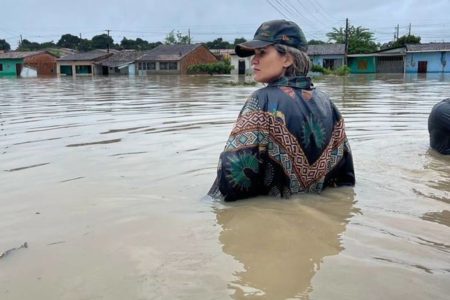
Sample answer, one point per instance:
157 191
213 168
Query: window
173 66
1 67
151 66
163 66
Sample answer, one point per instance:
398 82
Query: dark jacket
439 127
289 138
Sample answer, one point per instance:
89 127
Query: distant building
84 63
329 56
173 59
413 58
27 63
241 65
427 58
120 63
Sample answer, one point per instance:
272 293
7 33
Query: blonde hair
300 60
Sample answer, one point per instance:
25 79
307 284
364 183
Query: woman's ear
288 60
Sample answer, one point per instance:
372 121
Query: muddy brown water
104 179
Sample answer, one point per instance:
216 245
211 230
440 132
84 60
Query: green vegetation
221 67
402 41
360 40
341 71
173 38
219 43
320 69
4 45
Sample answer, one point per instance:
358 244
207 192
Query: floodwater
104 179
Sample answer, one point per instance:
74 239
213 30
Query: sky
205 20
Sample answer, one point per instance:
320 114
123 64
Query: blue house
329 56
427 58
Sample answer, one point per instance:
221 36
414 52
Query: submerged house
427 58
120 63
173 59
329 56
85 63
412 58
383 61
27 63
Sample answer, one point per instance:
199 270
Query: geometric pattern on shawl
259 128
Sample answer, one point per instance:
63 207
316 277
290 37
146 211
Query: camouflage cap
274 32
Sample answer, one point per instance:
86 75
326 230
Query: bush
320 69
221 67
342 70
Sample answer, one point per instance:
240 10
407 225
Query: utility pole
346 42
189 36
409 31
398 28
107 30
80 36
20 44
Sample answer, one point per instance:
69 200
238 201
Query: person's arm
240 164
343 173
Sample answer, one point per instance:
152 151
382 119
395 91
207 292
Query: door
422 67
328 63
18 69
241 67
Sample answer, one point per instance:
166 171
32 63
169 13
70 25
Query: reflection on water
281 244
116 167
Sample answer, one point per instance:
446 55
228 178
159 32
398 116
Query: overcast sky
47 20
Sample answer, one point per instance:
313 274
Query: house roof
168 52
19 54
429 47
326 49
90 55
124 57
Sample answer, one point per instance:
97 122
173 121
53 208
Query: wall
201 55
433 59
96 70
9 66
44 64
28 72
318 59
362 64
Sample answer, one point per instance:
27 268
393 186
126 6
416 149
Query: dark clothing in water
439 127
289 138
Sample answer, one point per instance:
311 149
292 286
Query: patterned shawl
289 138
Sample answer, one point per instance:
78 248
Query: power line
276 8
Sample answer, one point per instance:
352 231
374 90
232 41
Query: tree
316 42
46 45
219 43
402 41
360 40
4 45
239 41
26 45
69 41
85 45
102 41
173 38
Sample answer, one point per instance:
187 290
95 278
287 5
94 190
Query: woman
289 137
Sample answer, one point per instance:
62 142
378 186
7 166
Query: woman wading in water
289 137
